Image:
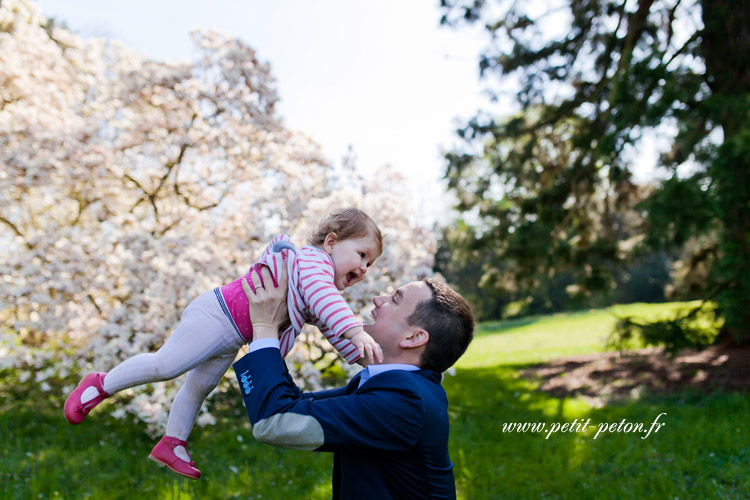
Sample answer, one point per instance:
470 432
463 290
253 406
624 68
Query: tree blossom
131 186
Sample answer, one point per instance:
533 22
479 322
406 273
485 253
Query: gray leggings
205 343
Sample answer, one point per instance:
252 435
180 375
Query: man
388 428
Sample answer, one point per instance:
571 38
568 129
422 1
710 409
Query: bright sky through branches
383 77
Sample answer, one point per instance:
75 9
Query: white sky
382 76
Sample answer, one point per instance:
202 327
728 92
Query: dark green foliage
644 280
551 193
678 210
732 273
464 268
477 275
696 327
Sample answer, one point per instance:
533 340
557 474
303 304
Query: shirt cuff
256 345
340 330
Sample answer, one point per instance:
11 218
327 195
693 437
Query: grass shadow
702 450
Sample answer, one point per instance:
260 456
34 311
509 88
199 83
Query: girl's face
351 258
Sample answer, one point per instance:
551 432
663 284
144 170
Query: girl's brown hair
347 223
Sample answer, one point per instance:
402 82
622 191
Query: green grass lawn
541 338
702 451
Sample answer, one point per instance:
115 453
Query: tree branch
18 233
91 298
636 26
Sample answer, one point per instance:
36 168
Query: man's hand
267 304
368 348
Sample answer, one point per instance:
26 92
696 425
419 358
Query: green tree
551 187
461 264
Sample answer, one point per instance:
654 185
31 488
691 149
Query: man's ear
417 338
329 242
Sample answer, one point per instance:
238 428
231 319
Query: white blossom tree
131 186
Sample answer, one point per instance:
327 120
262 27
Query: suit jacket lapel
352 385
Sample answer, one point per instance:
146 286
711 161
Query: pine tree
551 189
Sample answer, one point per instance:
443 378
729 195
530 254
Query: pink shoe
85 397
172 453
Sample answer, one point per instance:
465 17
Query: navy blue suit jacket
389 437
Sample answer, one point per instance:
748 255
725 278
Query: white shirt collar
378 369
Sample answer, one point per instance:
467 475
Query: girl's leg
201 380
203 332
171 450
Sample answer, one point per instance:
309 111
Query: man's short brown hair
347 223
448 319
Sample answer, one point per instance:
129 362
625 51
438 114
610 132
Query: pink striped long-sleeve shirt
312 298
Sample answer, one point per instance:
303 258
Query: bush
697 327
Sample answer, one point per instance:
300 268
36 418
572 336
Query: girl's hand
368 348
268 310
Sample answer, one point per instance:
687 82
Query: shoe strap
174 442
88 405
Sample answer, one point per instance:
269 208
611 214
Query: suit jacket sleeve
382 415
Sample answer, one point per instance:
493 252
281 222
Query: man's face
390 313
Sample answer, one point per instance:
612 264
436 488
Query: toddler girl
216 324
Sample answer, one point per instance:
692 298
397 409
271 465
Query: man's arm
385 417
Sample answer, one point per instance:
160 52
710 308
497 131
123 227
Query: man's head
423 323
